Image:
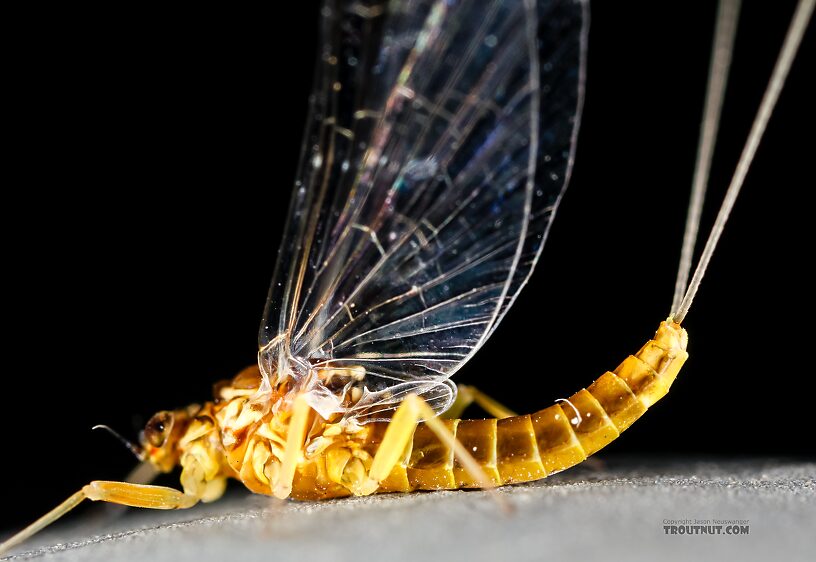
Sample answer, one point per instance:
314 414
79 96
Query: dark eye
158 428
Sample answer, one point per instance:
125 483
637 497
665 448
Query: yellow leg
138 495
444 434
123 493
399 433
295 438
397 436
468 395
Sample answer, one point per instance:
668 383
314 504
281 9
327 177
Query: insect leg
399 433
123 493
446 436
138 495
467 395
43 521
295 437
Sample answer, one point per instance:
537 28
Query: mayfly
439 142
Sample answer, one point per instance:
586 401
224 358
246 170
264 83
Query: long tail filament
793 38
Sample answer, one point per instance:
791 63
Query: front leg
138 495
123 493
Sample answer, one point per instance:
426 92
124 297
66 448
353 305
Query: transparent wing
438 144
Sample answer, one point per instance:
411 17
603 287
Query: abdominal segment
509 450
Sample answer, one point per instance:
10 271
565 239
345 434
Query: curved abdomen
530 447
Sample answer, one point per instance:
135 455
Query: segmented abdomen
530 447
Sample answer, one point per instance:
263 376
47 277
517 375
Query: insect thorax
243 435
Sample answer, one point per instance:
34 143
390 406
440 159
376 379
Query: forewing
438 144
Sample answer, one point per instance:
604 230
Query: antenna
132 447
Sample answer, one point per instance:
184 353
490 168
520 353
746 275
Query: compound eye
158 428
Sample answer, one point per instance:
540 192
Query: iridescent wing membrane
438 144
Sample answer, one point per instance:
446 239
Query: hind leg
467 395
399 433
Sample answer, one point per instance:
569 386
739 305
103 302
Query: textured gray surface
611 512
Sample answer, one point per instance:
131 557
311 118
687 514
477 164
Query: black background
149 168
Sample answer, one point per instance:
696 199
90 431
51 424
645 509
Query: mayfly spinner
439 142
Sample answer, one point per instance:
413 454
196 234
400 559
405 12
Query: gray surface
614 511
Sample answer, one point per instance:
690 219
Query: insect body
235 438
440 139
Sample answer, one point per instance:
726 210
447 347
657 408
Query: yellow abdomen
528 447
